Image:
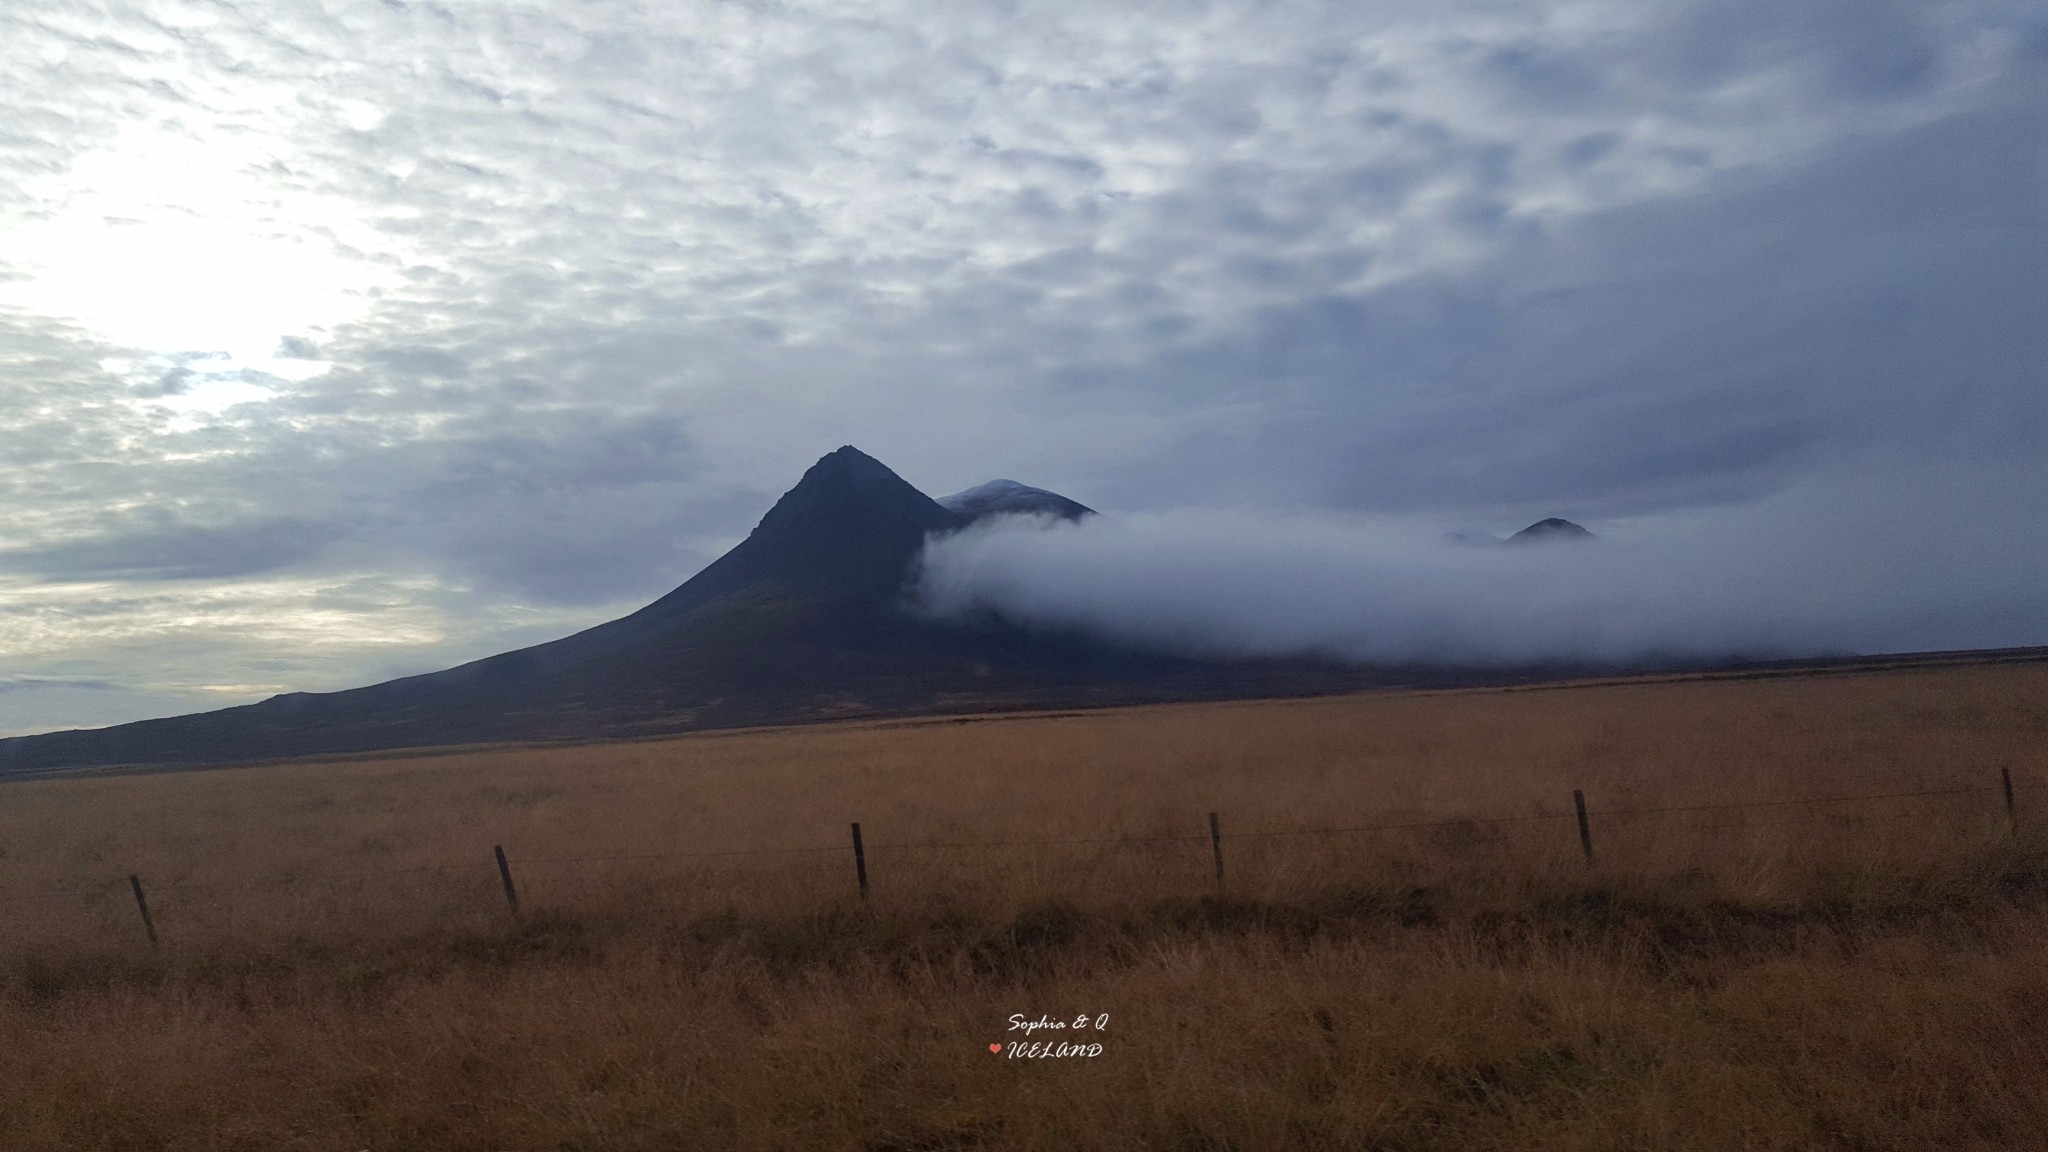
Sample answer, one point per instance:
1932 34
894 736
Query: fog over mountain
1870 565
806 619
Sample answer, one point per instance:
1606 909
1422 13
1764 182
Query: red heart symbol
995 1047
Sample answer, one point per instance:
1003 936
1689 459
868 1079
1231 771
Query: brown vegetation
338 969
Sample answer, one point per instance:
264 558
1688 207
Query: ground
1408 950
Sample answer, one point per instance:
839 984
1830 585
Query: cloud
41 705
31 684
1879 564
168 550
1691 351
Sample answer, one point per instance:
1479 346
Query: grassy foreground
338 968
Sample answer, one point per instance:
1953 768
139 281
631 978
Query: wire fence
1587 818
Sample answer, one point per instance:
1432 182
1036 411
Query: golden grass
339 971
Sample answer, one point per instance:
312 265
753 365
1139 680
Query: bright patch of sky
165 242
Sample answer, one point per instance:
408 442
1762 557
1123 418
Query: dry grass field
338 968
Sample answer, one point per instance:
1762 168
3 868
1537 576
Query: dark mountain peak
1007 497
850 528
847 466
1551 528
850 483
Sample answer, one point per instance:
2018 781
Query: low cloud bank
1831 568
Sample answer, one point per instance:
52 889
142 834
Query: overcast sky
345 340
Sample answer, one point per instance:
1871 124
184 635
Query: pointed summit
849 529
850 523
847 486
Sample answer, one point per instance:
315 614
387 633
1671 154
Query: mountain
1541 532
1007 497
1549 530
808 618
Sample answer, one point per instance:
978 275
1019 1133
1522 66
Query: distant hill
1007 497
807 618
1541 532
1546 531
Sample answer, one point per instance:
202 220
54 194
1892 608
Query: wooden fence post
505 874
1585 832
142 905
2012 814
860 861
1216 845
